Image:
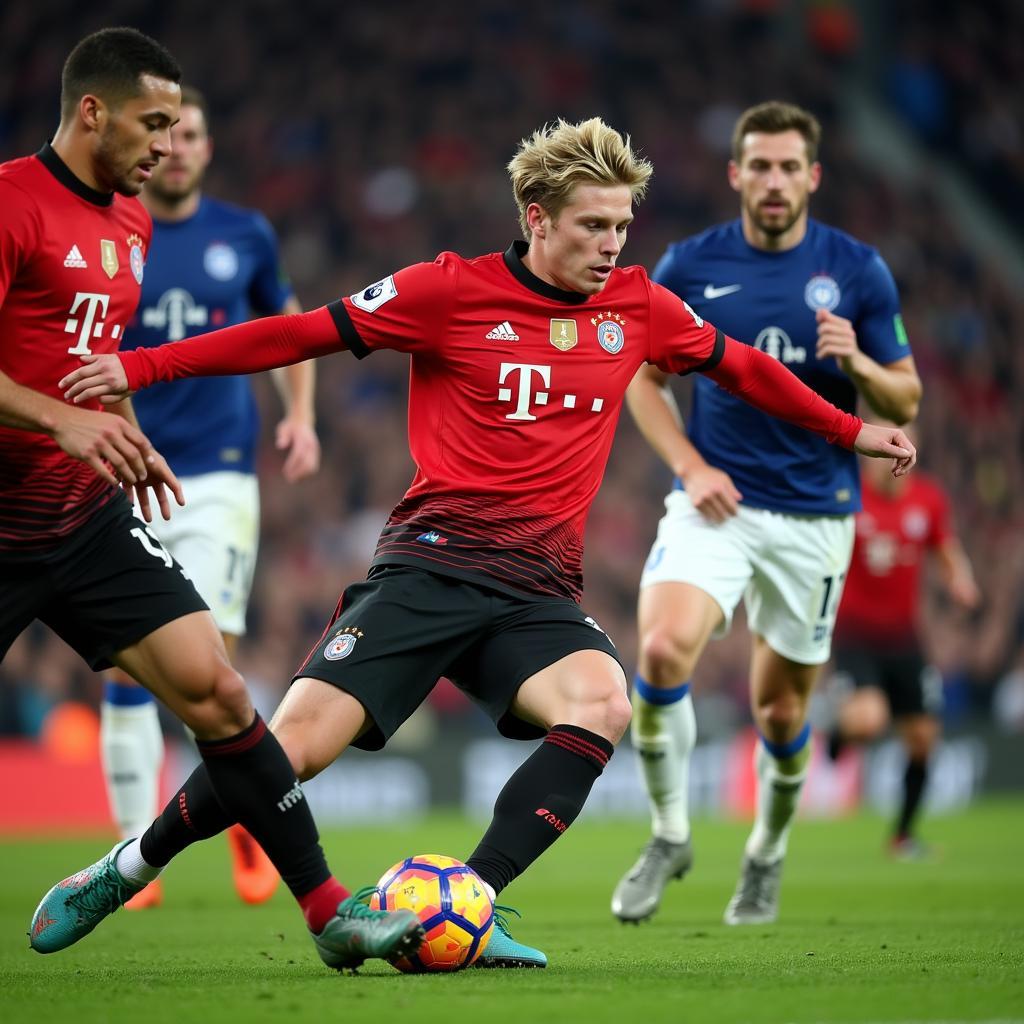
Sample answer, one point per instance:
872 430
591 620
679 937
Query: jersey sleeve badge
372 298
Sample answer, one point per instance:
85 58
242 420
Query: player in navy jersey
760 510
519 362
212 264
73 244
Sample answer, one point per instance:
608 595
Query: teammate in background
73 243
519 364
760 510
878 653
212 264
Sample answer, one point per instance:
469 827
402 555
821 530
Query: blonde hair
556 158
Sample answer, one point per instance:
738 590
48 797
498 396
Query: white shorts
789 569
215 537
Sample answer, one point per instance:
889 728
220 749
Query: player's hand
299 440
836 337
159 479
965 592
713 493
101 377
887 442
116 450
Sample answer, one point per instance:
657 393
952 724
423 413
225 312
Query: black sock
539 802
193 813
914 779
251 778
836 744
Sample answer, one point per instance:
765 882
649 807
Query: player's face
135 136
577 250
178 177
774 179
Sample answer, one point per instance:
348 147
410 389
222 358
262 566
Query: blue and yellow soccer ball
451 901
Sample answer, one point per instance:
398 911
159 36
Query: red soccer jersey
71 263
894 533
514 394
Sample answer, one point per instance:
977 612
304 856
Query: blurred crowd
376 137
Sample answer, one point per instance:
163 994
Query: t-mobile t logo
89 323
526 372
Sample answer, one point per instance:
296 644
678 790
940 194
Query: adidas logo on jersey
503 332
74 259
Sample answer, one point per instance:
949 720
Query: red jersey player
519 364
877 644
73 242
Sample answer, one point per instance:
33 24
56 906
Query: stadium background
376 136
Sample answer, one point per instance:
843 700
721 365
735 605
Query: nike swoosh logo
711 292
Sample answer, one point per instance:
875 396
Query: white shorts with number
215 537
789 569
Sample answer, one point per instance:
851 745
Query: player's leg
917 700
691 583
791 607
247 772
862 709
676 621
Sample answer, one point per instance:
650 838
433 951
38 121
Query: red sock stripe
234 744
578 745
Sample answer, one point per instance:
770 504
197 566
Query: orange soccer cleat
146 899
255 876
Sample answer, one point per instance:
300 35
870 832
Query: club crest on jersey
343 643
610 334
822 292
108 257
372 298
220 261
135 260
563 334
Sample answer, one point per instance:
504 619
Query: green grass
860 939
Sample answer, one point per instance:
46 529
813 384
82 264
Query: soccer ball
451 901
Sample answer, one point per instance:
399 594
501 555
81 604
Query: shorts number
238 562
152 545
833 586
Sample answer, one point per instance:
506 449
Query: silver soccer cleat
756 900
638 895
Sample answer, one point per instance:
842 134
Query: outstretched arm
245 348
766 384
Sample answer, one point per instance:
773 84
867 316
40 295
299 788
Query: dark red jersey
894 534
71 262
514 394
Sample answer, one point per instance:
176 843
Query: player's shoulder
20 175
220 213
841 243
926 487
714 240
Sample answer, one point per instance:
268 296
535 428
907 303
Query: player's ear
92 111
537 220
734 176
815 176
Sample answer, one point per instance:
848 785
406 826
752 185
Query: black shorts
911 685
396 634
108 585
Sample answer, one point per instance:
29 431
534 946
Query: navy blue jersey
218 268
769 300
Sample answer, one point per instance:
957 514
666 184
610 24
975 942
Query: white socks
132 746
133 868
664 733
779 782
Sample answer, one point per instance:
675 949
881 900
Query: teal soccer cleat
503 951
357 933
74 906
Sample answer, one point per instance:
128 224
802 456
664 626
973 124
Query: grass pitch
861 939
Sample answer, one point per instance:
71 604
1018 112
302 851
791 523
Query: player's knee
668 655
302 758
780 719
224 709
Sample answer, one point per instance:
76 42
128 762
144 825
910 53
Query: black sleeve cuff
347 330
717 352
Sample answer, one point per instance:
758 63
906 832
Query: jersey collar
48 158
514 261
